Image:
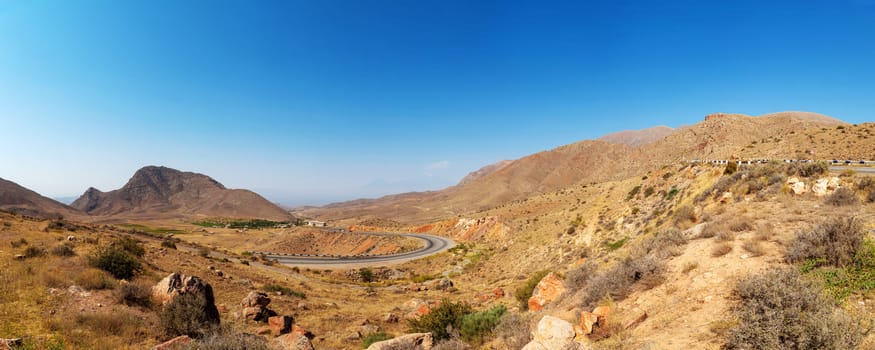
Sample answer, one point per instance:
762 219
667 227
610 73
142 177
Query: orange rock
548 289
603 311
498 293
587 320
280 325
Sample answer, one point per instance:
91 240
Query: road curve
433 245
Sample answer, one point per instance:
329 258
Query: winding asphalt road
433 245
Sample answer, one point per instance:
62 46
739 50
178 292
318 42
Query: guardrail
765 161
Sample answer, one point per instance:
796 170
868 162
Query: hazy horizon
317 102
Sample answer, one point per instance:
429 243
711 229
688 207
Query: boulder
280 325
548 289
726 197
177 284
391 318
291 342
819 187
175 343
587 320
833 184
798 188
553 333
413 341
256 299
12 343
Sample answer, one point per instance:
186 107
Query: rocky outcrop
280 325
797 187
255 307
548 289
553 333
297 339
175 343
825 186
413 341
177 284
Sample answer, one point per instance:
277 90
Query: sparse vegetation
373 338
779 309
524 292
186 315
117 261
443 319
842 197
34 252
366 275
754 247
721 249
93 279
168 244
241 224
513 330
134 294
63 250
617 282
475 327
836 241
275 288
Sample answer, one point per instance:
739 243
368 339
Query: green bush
524 292
477 326
442 320
836 241
190 315
273 288
118 262
366 274
130 245
373 338
779 309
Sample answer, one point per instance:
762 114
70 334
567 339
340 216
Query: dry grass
842 197
689 266
721 249
755 248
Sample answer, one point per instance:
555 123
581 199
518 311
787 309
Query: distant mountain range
615 156
153 193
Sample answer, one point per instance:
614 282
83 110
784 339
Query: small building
315 223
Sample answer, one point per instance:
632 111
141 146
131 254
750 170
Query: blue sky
314 101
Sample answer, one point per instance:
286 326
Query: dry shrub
835 240
690 266
740 224
94 279
663 244
721 249
685 215
134 294
779 309
726 236
764 232
871 197
755 248
189 314
712 229
842 197
866 184
513 330
579 277
450 344
617 283
228 339
34 252
63 250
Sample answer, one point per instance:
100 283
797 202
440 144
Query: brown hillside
719 136
164 193
484 171
19 200
637 138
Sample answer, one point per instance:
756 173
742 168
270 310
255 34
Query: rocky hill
637 138
17 199
164 193
484 171
719 136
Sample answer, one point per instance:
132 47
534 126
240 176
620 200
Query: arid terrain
628 242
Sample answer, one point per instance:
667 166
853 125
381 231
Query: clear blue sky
314 101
